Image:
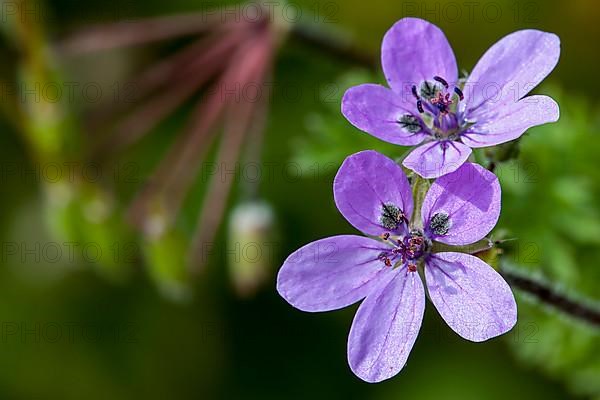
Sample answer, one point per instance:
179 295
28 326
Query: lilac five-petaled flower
428 105
374 195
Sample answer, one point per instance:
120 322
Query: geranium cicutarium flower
428 105
374 195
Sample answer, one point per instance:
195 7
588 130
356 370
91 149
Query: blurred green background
133 323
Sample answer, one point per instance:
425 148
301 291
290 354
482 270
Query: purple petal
510 69
414 50
331 273
438 158
366 182
470 296
506 123
468 199
386 326
379 111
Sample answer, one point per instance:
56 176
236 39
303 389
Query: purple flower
428 105
374 195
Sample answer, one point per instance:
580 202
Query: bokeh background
96 304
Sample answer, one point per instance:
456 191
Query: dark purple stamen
419 102
414 92
441 80
460 94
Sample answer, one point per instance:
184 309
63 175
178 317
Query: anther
385 259
441 80
460 94
412 268
419 102
414 92
385 236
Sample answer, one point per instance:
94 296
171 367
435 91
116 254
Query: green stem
420 186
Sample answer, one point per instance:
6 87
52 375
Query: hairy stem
547 295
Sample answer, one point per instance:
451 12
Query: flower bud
251 246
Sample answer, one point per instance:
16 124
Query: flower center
414 245
407 250
438 105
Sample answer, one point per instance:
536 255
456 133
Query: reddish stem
130 33
237 126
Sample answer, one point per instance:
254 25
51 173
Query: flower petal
380 112
511 121
414 50
510 69
386 326
366 183
438 158
470 296
465 202
331 273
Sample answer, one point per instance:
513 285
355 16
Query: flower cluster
421 233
